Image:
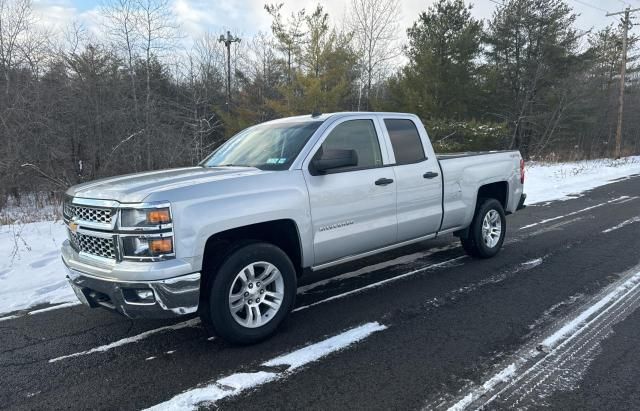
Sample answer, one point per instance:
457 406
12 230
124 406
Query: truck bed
462 173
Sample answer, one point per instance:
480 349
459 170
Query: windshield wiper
230 165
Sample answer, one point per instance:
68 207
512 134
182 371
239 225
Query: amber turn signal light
161 246
160 216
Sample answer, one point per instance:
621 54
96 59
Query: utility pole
623 73
227 42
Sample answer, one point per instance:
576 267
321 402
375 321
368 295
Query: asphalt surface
452 322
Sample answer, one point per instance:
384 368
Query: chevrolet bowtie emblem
73 226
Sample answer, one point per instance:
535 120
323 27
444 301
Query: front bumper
172 297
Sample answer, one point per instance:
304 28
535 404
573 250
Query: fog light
145 294
139 296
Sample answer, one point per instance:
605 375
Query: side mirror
332 159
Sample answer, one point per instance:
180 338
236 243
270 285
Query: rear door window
405 141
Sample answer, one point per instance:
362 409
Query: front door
353 209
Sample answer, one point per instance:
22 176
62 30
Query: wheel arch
283 233
498 190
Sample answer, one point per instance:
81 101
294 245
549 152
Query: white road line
42 310
614 297
564 366
628 199
556 226
500 377
574 212
512 373
622 224
54 307
9 317
103 348
378 284
235 384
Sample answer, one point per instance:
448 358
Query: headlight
146 232
139 246
145 217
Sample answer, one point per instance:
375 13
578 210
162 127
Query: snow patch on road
550 312
315 351
503 376
236 383
533 263
617 294
563 181
210 394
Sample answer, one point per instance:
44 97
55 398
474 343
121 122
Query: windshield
265 146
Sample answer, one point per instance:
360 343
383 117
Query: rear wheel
253 291
487 230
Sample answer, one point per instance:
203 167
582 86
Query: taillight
521 171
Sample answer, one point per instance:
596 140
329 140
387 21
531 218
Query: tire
256 319
476 244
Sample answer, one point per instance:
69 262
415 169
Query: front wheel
252 293
487 230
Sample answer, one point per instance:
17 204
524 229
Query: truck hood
134 188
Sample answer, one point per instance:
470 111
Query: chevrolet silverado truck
229 238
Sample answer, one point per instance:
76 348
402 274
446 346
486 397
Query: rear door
353 209
418 180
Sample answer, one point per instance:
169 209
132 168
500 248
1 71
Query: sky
247 17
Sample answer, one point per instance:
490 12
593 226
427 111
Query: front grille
88 214
98 246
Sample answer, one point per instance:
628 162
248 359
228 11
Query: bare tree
73 39
159 33
210 61
121 19
205 76
263 65
16 18
374 24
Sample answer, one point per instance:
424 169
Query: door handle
384 181
430 174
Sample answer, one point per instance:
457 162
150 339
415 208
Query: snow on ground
562 181
32 273
30 208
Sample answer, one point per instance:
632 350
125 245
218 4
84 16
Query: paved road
451 323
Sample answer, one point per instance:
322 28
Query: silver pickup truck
229 239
